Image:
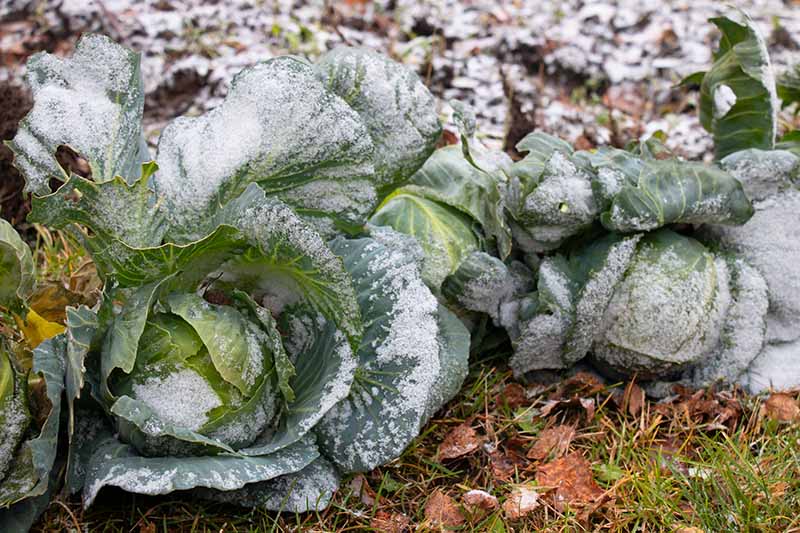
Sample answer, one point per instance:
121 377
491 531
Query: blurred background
592 72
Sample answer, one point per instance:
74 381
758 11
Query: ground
566 455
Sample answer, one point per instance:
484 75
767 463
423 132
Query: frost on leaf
279 126
763 173
398 110
116 464
769 241
668 309
91 102
569 305
399 359
309 489
743 330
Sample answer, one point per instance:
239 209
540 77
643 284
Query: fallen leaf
521 502
689 530
514 396
390 523
460 441
633 401
781 407
441 510
553 441
571 480
503 468
480 499
147 527
360 487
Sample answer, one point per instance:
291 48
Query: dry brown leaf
553 441
480 499
689 529
781 407
390 523
441 510
360 487
503 468
460 441
633 401
521 502
514 396
572 481
147 527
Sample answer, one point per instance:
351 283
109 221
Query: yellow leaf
36 329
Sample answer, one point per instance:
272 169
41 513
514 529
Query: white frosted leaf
743 329
668 310
777 367
595 295
396 107
561 204
770 241
309 489
279 126
91 102
763 173
399 359
116 464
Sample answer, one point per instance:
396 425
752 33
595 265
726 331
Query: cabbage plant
237 351
670 270
30 399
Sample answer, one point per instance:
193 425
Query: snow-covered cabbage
30 399
236 350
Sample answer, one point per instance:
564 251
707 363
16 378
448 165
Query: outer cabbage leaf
668 310
393 103
484 283
113 210
16 269
400 360
769 242
549 194
279 126
763 173
555 326
117 464
91 102
738 99
34 459
668 191
309 489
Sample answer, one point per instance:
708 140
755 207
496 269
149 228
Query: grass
665 469
709 460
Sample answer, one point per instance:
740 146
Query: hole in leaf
72 162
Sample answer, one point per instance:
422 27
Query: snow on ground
593 72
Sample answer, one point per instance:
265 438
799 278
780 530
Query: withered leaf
553 441
522 500
441 510
571 479
480 499
460 441
514 396
384 522
782 407
360 488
